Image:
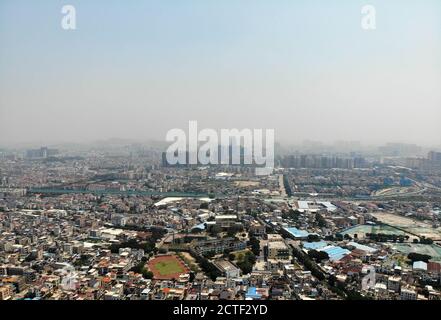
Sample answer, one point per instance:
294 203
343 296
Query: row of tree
287 185
382 237
413 256
147 246
291 214
254 243
308 263
209 269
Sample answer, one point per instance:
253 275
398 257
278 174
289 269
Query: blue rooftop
335 253
314 245
362 247
421 265
200 226
297 233
252 293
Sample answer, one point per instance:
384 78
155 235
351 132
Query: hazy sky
135 69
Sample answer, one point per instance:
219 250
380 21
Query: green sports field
168 267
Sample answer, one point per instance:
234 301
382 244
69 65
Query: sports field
167 267
408 224
432 250
361 230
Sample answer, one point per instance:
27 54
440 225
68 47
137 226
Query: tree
133 244
232 230
355 295
309 264
318 255
413 256
287 185
214 230
291 214
147 274
425 240
207 267
245 266
313 238
321 222
255 245
251 257
209 254
204 205
246 261
347 237
332 280
139 268
30 257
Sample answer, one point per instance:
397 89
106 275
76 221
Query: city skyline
316 146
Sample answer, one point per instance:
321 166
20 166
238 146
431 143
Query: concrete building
228 269
278 250
408 294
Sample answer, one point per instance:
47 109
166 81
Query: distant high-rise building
400 150
434 156
322 162
42 153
